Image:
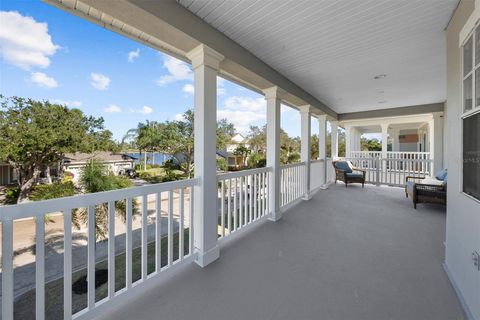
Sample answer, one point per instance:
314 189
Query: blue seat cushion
410 185
343 165
441 175
354 175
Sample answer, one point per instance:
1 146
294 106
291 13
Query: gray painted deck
345 254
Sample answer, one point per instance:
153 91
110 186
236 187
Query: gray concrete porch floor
345 254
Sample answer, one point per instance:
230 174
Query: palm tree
95 177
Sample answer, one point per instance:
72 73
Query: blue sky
49 54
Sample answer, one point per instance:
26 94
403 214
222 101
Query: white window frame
475 108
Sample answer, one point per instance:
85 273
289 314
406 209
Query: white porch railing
392 171
317 173
292 182
243 199
135 199
408 155
365 154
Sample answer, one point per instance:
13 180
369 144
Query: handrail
236 174
39 208
291 165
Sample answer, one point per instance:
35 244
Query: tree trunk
145 161
49 177
27 186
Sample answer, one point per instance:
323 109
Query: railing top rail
34 209
237 174
291 165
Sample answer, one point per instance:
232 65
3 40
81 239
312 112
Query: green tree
37 134
370 144
176 139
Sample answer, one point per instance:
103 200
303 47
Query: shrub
67 176
171 164
293 158
256 160
52 191
222 164
11 195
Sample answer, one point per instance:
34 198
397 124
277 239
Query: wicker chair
344 171
424 192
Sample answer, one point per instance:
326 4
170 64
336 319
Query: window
471 115
471 155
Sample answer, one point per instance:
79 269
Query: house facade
237 159
115 162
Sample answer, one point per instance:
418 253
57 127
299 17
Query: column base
275 216
307 196
203 259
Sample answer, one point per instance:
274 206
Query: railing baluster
170 228
128 244
235 213
91 257
111 249
190 228
40 268
250 198
229 206
181 247
255 196
241 204
67 264
144 237
158 232
222 207
7 269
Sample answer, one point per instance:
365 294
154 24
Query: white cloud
99 81
25 42
113 108
132 55
243 111
188 88
42 80
145 110
179 117
73 103
177 70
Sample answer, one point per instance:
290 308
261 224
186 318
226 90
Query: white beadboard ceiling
333 49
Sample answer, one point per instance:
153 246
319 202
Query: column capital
334 122
384 127
321 117
203 55
274 93
305 109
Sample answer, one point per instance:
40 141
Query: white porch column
395 140
384 140
348 141
334 136
205 63
305 152
322 150
274 97
435 128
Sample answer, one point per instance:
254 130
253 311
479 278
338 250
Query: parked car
130 173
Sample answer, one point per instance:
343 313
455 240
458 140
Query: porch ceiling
334 49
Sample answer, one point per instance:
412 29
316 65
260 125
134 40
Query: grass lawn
156 175
25 304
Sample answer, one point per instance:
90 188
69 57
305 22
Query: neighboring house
116 162
236 160
7 174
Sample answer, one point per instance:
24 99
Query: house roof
98 155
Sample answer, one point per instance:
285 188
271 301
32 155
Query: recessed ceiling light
382 101
379 76
381 91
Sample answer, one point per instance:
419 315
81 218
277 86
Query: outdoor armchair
427 189
346 172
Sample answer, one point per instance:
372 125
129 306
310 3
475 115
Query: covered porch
371 257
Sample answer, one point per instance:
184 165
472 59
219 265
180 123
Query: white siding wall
463 213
